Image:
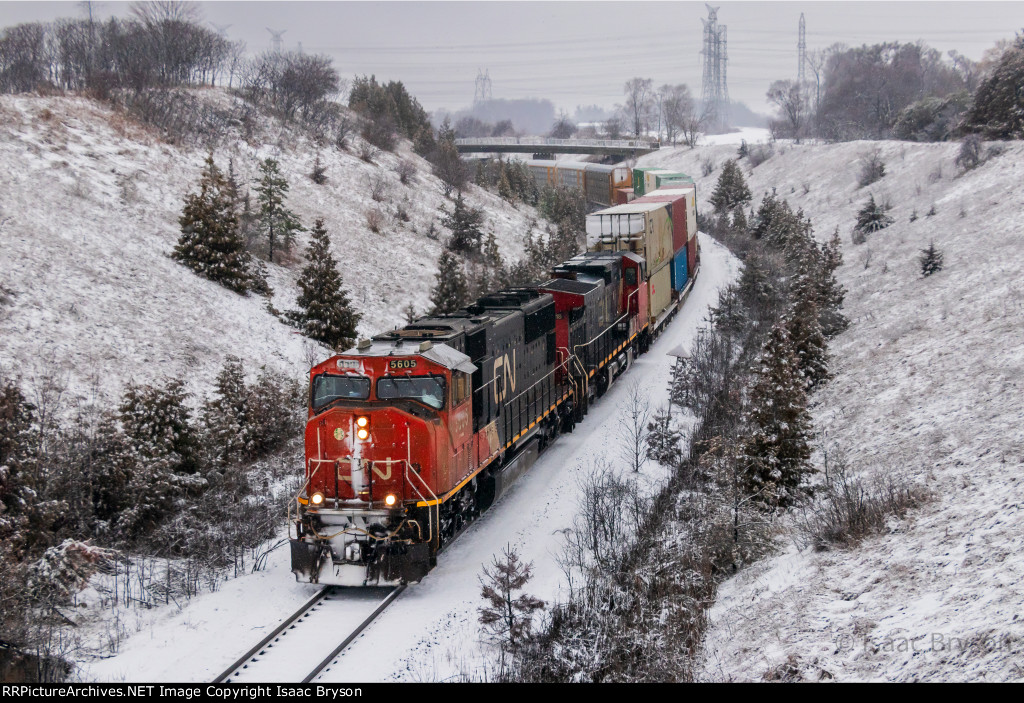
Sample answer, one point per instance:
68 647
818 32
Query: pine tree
211 243
157 424
224 416
871 218
452 290
777 451
504 184
17 462
493 274
464 222
507 615
830 293
731 191
276 222
739 221
998 111
776 222
326 312
804 326
931 260
319 173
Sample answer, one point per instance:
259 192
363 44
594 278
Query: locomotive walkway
549 145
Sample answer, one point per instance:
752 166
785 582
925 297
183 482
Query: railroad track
285 654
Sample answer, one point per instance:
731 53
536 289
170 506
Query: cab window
428 390
630 276
461 388
327 388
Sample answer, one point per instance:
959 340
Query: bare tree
639 94
633 426
677 106
791 100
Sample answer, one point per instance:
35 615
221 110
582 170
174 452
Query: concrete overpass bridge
548 145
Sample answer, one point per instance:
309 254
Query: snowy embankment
431 632
928 385
89 207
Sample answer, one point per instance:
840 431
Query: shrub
872 168
375 220
848 508
969 155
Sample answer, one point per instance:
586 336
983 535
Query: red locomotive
414 433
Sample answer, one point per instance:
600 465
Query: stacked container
645 229
682 202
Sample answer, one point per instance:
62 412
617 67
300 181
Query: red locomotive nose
363 454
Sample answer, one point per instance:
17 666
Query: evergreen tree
326 312
731 191
777 451
224 416
775 222
211 243
276 222
803 325
157 424
998 111
931 260
464 222
739 221
17 468
871 218
830 293
493 274
319 173
451 291
504 185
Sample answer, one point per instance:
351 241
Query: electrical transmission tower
715 57
222 29
801 52
482 90
275 39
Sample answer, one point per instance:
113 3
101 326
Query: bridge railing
551 141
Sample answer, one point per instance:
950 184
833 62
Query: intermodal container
679 270
660 283
623 196
643 228
682 209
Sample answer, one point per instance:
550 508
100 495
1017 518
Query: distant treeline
150 49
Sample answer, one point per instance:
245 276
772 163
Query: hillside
928 387
89 207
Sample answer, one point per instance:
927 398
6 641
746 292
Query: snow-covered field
431 631
89 207
928 385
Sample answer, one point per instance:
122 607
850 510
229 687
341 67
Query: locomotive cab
382 421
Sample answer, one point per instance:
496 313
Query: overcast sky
575 52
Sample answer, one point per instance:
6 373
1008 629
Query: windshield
328 388
429 390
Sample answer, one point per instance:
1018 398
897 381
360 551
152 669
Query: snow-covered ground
89 207
431 631
928 385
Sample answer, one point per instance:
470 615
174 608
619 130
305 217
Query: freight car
415 432
598 181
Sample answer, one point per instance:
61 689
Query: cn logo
507 373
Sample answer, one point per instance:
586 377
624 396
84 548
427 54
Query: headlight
362 433
390 499
317 498
362 421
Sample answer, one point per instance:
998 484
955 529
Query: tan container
642 228
660 291
690 191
